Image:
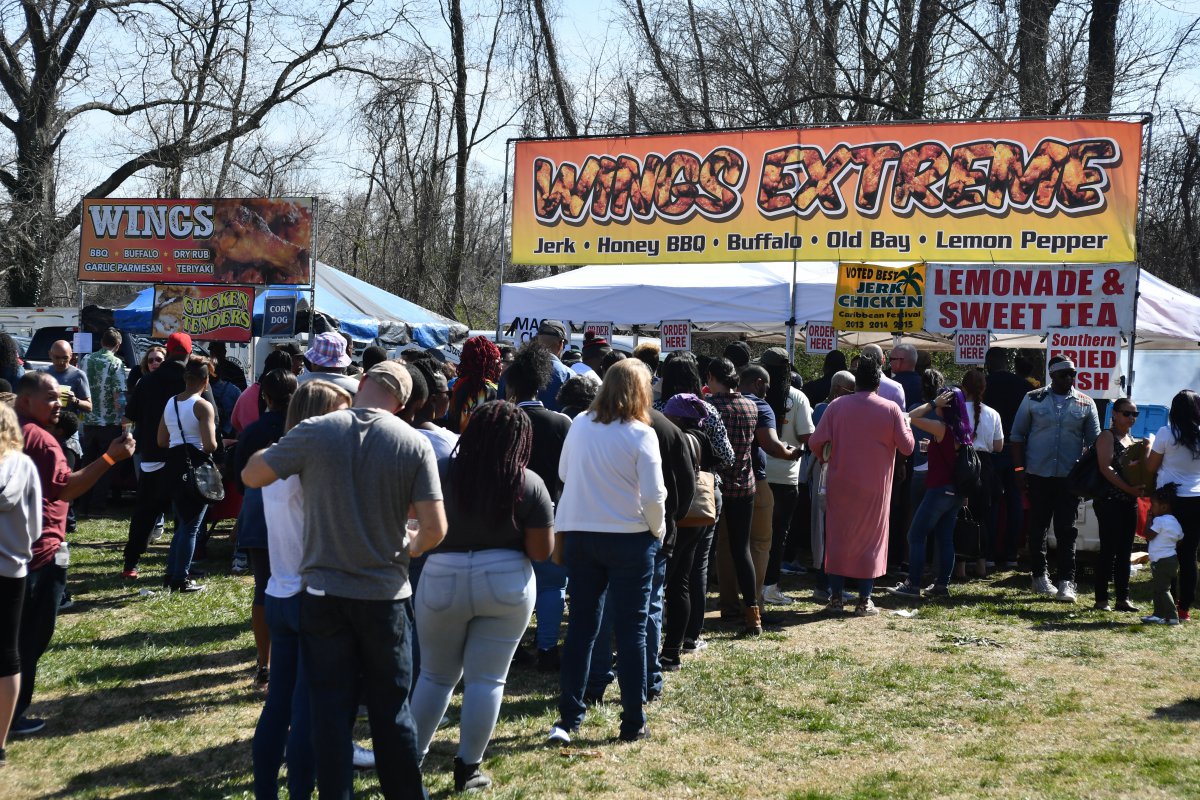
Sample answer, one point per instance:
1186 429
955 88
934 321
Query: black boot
468 777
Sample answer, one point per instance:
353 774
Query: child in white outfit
1163 532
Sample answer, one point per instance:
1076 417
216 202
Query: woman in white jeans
476 592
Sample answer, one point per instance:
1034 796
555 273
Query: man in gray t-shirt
361 469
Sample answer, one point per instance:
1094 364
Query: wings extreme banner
250 241
1029 191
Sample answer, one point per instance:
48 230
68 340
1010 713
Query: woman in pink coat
857 438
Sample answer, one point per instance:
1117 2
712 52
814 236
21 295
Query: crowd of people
405 520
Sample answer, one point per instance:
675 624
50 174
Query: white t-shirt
443 441
583 369
797 422
1168 532
1178 464
990 427
283 506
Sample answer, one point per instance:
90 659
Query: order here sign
1097 356
675 334
819 338
971 346
1017 298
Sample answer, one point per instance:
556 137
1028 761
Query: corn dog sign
1031 191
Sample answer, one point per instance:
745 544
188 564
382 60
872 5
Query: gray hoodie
20 513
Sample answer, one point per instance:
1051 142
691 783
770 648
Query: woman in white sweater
20 526
612 517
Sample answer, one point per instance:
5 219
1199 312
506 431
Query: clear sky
587 34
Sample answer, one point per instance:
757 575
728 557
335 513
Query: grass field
997 694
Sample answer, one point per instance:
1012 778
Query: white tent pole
505 217
791 324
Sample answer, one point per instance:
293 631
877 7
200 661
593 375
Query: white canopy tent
755 299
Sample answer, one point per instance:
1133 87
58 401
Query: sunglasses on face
154 360
1130 414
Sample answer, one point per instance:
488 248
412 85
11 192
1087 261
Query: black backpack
967 471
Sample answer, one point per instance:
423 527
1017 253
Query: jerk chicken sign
251 241
1029 191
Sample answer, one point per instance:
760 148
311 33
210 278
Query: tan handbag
703 510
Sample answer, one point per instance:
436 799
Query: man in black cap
738 353
1054 425
552 335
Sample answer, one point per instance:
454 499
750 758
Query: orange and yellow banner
1030 191
252 241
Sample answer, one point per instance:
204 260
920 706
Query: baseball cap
328 350
393 376
738 353
552 327
775 357
179 344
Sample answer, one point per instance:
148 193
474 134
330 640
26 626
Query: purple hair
957 419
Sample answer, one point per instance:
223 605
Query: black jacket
678 473
550 430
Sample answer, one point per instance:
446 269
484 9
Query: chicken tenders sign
253 241
1027 191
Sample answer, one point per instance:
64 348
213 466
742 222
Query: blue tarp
359 308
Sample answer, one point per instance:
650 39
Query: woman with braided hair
478 372
476 592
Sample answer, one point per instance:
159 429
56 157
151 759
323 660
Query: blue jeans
348 645
286 718
551 601
836 584
596 562
602 669
937 514
189 517
654 627
601 672
471 611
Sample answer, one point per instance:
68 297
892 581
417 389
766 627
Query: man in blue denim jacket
1053 427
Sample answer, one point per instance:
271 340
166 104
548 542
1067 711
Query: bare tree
63 68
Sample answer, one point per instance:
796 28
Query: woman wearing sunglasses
1116 508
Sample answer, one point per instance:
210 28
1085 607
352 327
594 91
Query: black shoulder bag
202 481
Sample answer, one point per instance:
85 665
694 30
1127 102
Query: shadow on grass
189 635
1186 710
203 774
162 699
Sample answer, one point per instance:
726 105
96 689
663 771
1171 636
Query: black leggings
260 562
678 591
12 597
1117 520
739 514
787 495
1187 511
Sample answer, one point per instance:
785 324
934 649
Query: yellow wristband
111 461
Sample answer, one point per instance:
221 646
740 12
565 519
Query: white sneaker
363 758
1066 592
558 736
156 533
1042 585
773 595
